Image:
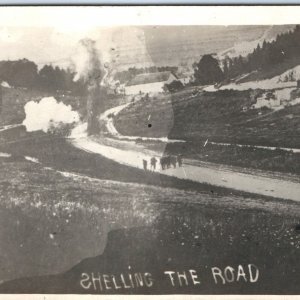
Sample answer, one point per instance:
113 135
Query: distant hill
244 47
268 59
183 45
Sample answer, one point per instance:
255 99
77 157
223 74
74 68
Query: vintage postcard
150 150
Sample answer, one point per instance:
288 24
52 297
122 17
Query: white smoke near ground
47 114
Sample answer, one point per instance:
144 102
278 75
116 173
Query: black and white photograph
149 158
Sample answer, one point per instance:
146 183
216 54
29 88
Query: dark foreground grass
183 238
50 221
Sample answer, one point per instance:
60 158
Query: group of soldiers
165 162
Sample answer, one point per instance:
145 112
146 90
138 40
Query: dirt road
128 153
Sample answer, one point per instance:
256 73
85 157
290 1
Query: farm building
149 83
267 100
277 98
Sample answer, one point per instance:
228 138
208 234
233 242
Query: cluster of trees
286 46
173 86
127 75
25 73
208 71
22 73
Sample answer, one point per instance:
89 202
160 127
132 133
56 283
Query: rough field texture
65 209
218 117
48 208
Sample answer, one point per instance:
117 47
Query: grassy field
77 211
46 210
48 214
218 117
215 115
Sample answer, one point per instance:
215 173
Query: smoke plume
89 69
48 114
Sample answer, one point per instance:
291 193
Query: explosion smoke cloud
87 61
48 113
90 69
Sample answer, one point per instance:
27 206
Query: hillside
145 46
219 117
286 79
268 59
244 47
271 71
176 45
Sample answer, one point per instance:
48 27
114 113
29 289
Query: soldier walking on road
153 163
145 164
179 160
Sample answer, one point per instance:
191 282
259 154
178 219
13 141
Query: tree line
25 73
266 55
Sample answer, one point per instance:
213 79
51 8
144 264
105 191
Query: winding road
124 150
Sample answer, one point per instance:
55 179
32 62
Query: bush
60 129
174 86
